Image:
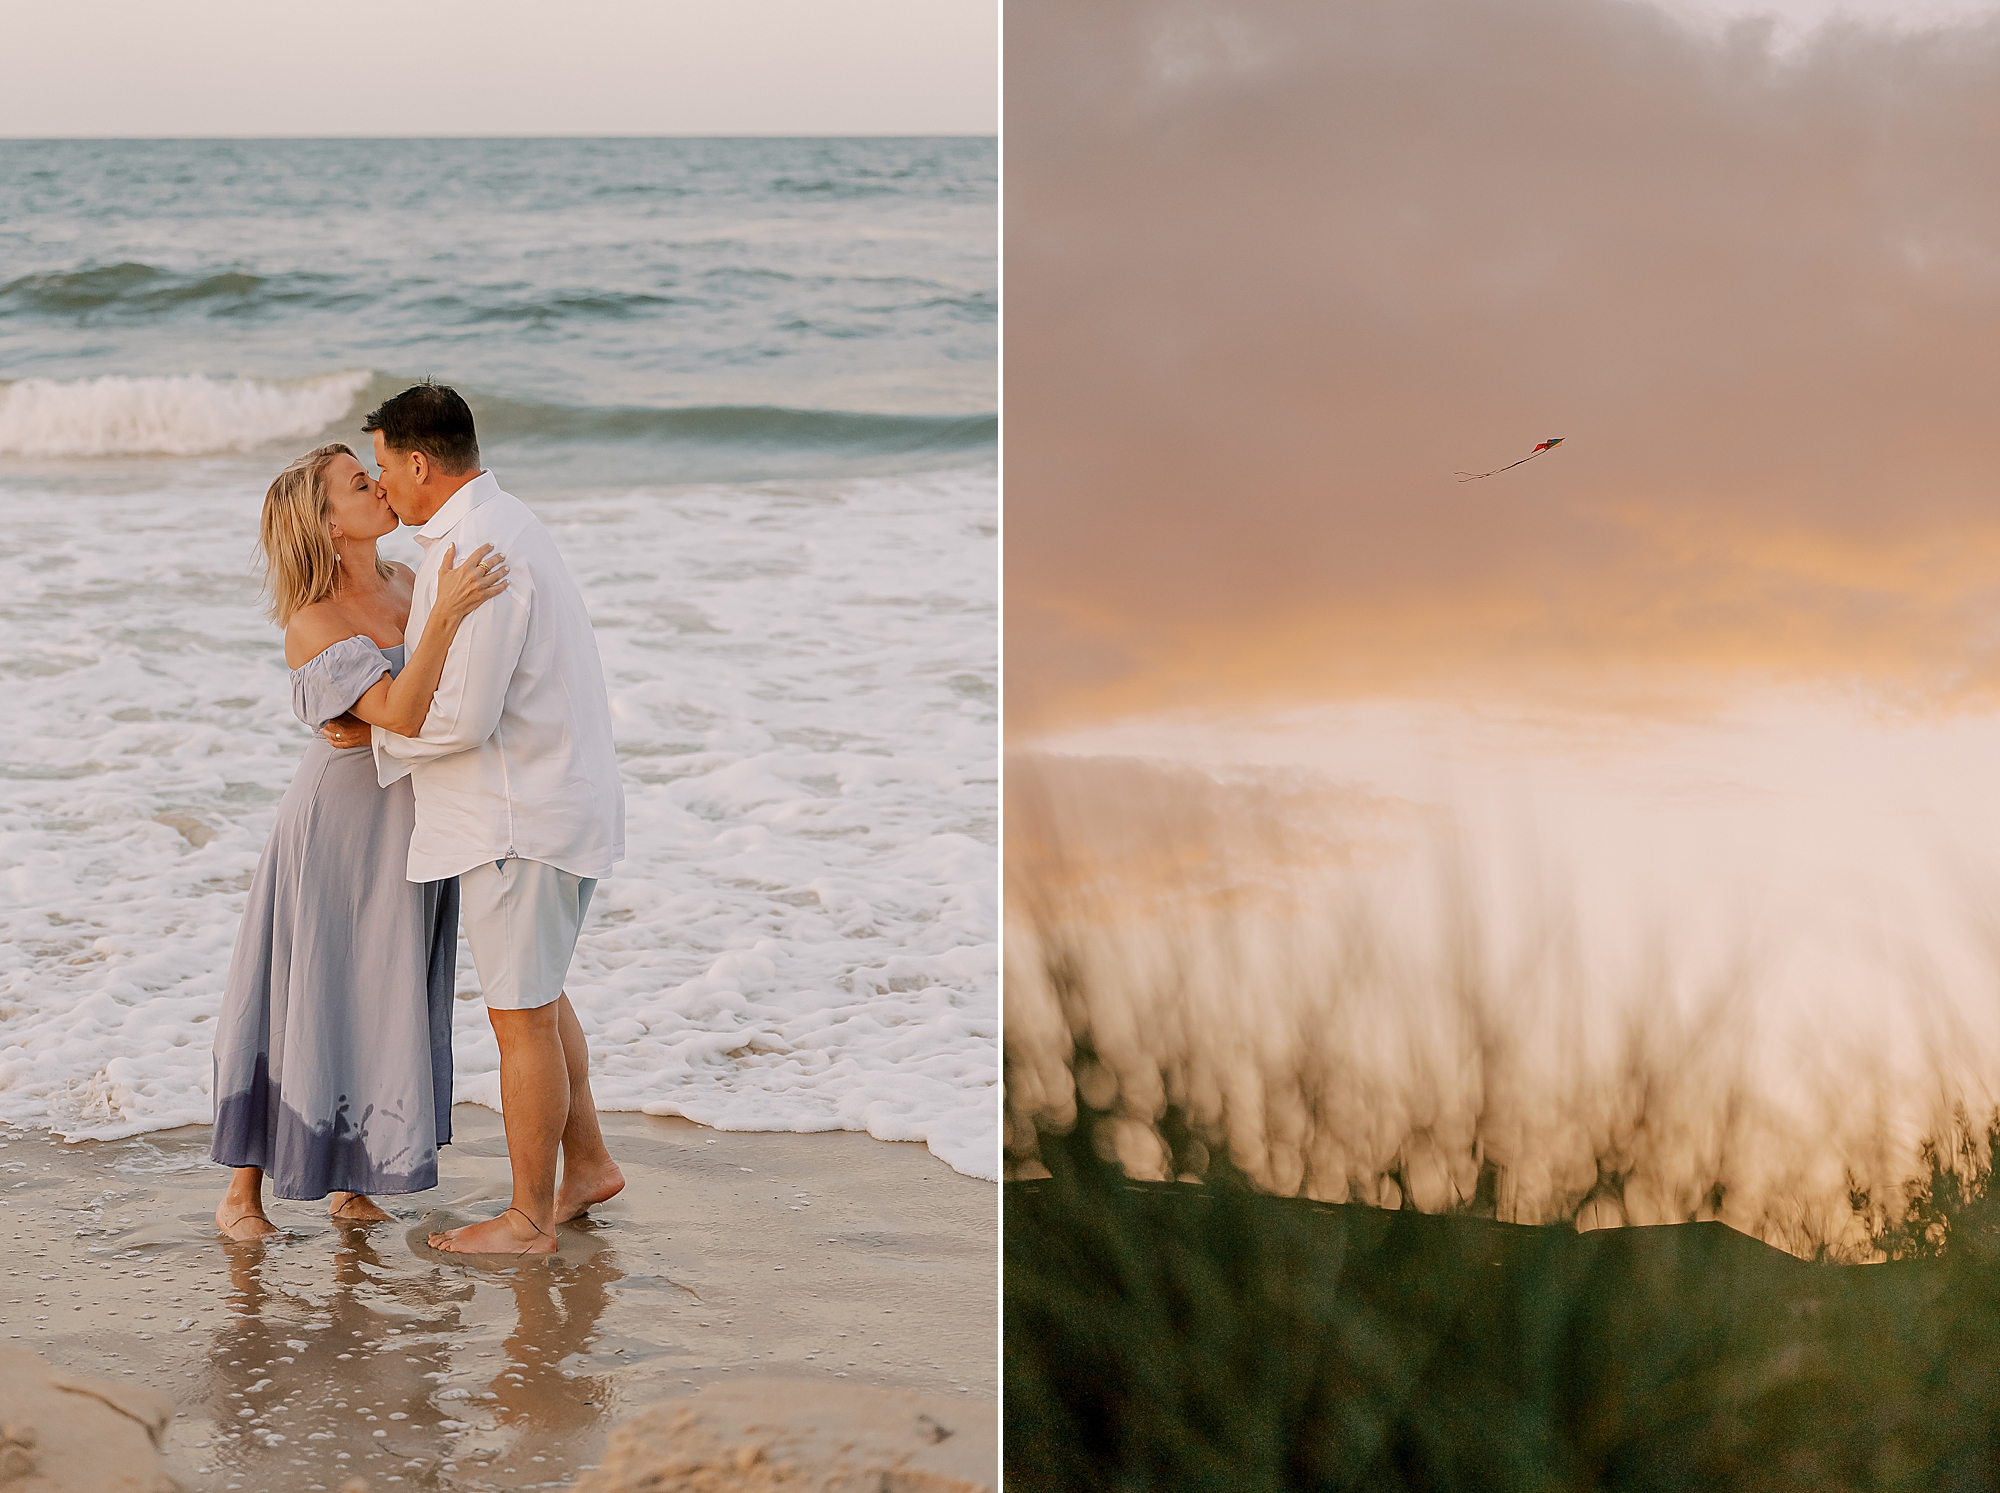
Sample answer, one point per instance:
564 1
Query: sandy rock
64 1434
802 1436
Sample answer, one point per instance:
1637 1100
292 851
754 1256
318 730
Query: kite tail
1476 476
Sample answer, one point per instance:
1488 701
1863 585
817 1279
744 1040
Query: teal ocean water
750 385
742 306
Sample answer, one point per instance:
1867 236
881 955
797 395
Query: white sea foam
803 685
187 414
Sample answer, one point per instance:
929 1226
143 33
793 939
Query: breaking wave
194 414
188 414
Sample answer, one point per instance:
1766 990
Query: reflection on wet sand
537 1406
281 1386
283 1390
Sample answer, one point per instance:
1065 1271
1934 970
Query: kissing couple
464 762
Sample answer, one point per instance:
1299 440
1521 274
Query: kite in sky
1548 445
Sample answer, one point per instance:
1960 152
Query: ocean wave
195 415
603 305
742 427
831 187
133 292
188 414
144 289
136 292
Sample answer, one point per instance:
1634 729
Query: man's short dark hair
430 418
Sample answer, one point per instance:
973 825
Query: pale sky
122 68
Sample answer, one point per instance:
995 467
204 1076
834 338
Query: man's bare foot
512 1233
354 1207
243 1221
581 1188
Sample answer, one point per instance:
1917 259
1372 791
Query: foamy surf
803 693
188 414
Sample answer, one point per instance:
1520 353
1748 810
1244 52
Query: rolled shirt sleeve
473 690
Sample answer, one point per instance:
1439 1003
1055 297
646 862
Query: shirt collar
462 502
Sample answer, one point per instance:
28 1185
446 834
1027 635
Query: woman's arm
400 705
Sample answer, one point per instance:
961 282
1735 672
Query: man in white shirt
517 795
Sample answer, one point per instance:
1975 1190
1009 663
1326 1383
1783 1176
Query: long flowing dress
333 1050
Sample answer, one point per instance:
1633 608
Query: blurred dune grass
1289 1210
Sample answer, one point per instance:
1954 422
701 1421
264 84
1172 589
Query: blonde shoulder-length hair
300 563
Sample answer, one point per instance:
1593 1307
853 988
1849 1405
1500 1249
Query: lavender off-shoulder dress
333 1052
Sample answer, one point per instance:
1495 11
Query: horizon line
690 135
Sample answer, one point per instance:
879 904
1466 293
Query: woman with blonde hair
333 1052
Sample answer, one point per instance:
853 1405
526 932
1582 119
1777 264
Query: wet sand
346 1348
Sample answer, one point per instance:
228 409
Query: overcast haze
504 67
1277 272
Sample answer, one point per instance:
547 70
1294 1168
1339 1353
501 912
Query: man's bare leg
240 1214
589 1175
534 1102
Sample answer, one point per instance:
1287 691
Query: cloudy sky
1277 271
500 67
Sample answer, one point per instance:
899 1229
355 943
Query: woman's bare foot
354 1207
512 1233
240 1214
581 1188
237 1220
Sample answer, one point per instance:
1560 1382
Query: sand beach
829 1273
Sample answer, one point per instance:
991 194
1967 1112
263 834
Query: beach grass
1301 1198
1204 1333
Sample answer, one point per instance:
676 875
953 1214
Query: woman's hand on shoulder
464 588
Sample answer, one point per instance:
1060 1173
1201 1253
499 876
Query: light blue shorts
521 918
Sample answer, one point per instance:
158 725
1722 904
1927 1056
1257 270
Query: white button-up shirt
515 757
